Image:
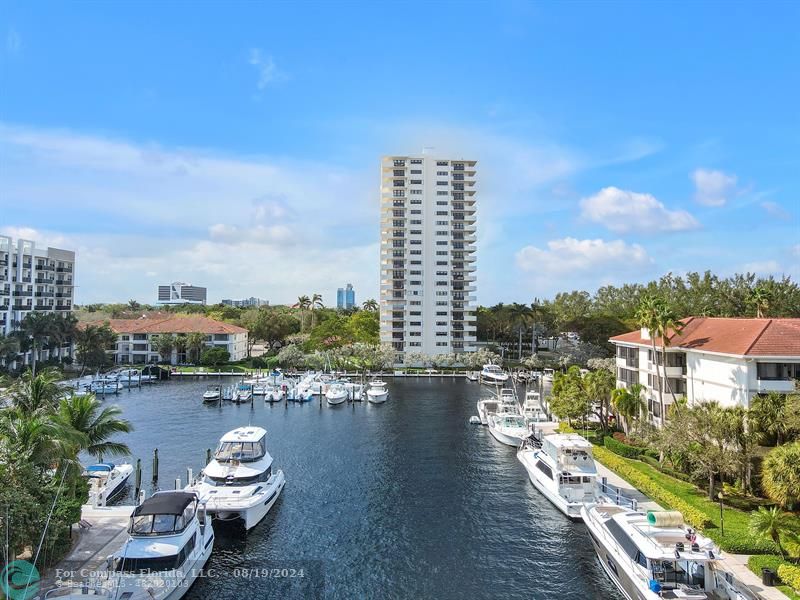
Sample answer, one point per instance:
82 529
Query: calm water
401 500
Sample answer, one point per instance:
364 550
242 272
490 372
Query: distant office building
246 302
428 235
34 279
346 297
181 293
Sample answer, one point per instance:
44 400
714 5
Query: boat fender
655 586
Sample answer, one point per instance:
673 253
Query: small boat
243 393
336 394
485 407
105 386
227 393
548 374
493 374
239 484
259 388
297 394
475 420
377 392
655 555
508 428
274 394
562 468
212 394
106 480
472 376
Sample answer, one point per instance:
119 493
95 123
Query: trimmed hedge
618 447
650 488
741 542
790 575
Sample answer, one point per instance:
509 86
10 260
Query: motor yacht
493 374
654 555
562 468
105 386
336 393
377 392
532 408
106 480
472 376
212 394
243 393
274 393
508 428
170 541
240 483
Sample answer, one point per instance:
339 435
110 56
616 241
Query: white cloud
266 68
13 41
762 267
775 210
712 188
243 226
796 250
623 211
568 255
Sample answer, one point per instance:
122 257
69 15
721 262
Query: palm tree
9 349
133 305
37 327
781 475
36 394
303 303
628 402
760 298
772 523
96 425
521 315
316 303
194 345
180 344
647 318
163 343
768 413
37 440
371 304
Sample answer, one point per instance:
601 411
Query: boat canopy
163 513
172 503
100 467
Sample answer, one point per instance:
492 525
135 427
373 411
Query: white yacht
532 408
472 376
239 483
273 393
259 388
508 428
243 393
562 469
485 407
548 374
493 374
212 394
171 539
336 394
377 392
106 480
105 386
655 555
227 393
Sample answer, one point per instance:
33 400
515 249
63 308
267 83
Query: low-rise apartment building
135 336
712 359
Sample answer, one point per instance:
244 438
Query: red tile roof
743 337
174 324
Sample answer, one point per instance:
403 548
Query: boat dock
101 531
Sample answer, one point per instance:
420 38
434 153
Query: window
442 232
441 243
415 273
440 293
416 232
441 213
416 251
437 183
415 343
441 343
416 171
440 283
415 211
416 323
442 173
416 182
399 163
441 223
416 201
441 193
412 192
441 303
416 161
416 242
441 163
441 313
544 469
415 282
414 222
415 313
778 371
441 203
415 333
398 193
441 323
442 273
415 303
416 262
398 183
441 253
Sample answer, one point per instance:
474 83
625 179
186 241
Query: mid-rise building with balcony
178 292
712 359
427 255
33 279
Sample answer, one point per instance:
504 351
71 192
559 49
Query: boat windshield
241 451
492 369
161 524
239 481
672 574
513 421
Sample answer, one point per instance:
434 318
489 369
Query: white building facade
713 359
33 279
427 255
135 336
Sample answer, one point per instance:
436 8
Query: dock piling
208 455
177 484
138 477
155 465
189 477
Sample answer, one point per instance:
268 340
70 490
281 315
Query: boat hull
570 510
377 398
238 510
504 438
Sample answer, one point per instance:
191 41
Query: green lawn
737 537
756 563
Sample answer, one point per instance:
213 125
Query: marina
381 500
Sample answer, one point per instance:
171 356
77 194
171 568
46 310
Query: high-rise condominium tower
428 254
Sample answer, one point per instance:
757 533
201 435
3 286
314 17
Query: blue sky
237 145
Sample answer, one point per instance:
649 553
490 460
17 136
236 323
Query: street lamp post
721 519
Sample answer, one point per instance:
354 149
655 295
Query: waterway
401 500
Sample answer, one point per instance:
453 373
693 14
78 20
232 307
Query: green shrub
740 542
760 561
650 488
790 575
618 447
565 427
